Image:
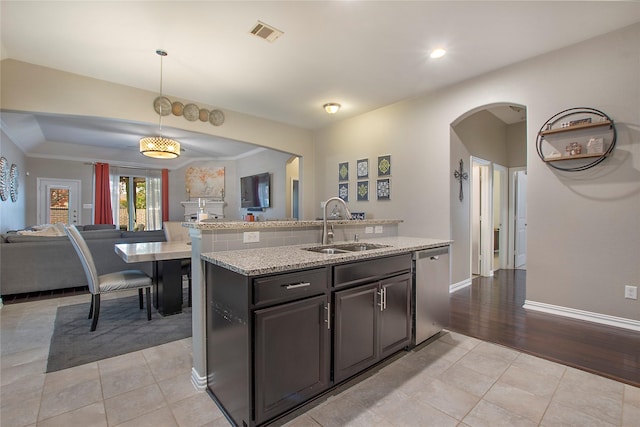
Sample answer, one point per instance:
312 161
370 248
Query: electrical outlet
368 230
251 237
379 229
631 292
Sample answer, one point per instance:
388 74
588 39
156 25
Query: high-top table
167 270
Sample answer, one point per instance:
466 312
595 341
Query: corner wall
583 228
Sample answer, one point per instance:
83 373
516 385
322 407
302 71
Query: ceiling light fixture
331 107
437 53
158 146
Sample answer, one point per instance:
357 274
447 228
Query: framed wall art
383 189
384 165
343 171
204 182
362 167
363 191
343 191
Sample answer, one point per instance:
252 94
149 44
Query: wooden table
167 270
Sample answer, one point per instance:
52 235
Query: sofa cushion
101 234
20 238
91 227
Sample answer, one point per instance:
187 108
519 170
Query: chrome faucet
327 232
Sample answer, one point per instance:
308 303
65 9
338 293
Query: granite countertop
239 225
253 262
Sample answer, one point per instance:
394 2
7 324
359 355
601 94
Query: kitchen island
287 324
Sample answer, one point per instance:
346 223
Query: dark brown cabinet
292 355
372 321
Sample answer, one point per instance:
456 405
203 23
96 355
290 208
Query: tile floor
454 381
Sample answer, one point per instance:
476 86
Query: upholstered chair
175 232
111 282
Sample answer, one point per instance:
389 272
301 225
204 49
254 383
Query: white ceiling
362 54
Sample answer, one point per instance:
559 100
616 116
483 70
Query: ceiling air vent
266 32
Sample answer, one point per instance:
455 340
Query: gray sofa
42 263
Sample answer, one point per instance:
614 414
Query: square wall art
384 165
343 171
343 191
384 189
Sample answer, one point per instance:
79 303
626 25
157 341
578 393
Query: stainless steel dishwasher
431 298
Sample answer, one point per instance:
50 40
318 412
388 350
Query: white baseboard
605 319
198 381
459 285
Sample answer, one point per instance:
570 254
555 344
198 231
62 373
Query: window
136 198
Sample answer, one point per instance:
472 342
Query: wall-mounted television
255 191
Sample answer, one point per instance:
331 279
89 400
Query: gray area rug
122 328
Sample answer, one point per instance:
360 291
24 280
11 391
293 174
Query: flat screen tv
255 191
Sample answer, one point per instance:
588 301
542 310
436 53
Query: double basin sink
344 248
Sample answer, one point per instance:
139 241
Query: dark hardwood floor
491 309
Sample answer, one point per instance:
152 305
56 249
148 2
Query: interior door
58 201
521 220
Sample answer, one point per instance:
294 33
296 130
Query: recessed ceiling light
331 107
437 53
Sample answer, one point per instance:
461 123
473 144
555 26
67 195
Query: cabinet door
355 331
395 318
292 355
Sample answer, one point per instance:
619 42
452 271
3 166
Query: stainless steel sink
346 248
359 246
327 250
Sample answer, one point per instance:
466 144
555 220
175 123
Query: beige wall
13 214
583 228
27 87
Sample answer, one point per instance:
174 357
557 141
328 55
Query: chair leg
91 306
148 302
189 279
96 311
140 298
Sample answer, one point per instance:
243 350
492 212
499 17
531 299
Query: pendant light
158 146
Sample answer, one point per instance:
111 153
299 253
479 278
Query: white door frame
486 231
73 185
503 215
512 215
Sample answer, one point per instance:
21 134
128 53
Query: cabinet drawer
289 286
368 270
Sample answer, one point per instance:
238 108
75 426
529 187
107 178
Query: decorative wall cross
461 175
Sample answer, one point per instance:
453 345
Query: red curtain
165 195
103 213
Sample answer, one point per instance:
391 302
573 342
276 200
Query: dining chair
110 282
175 232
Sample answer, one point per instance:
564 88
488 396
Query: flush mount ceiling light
158 146
437 53
331 107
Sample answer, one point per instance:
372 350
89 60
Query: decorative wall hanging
4 178
576 139
343 191
204 182
461 175
362 167
343 171
13 182
363 191
384 165
383 189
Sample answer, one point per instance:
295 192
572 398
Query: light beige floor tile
488 365
168 360
344 411
302 421
65 378
9 360
130 405
561 415
125 380
539 366
631 406
26 388
596 396
122 362
486 414
447 398
442 349
67 399
518 401
415 413
88 416
20 414
495 351
536 383
459 340
467 379
177 388
196 410
162 417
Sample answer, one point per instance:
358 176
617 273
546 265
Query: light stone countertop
239 225
259 261
153 251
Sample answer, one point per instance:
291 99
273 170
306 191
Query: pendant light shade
158 146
